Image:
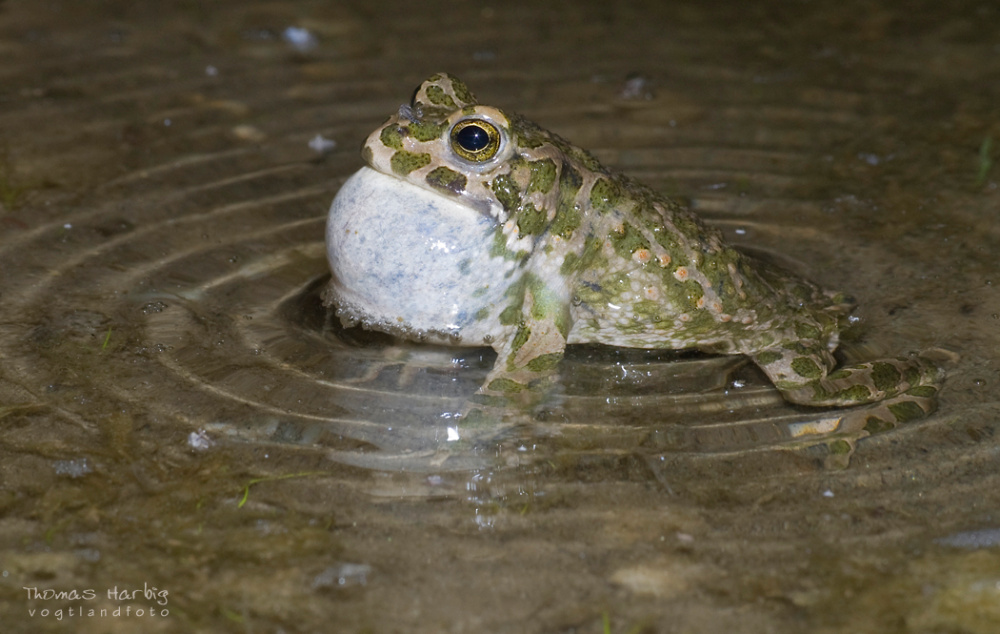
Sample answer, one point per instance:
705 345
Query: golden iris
475 140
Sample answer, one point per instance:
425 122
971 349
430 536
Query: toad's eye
475 140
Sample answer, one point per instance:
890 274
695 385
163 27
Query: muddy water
178 412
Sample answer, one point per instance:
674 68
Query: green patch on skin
605 195
912 374
482 314
806 367
529 142
851 395
567 221
628 241
510 315
529 135
467 110
446 180
922 391
462 91
425 131
403 162
766 340
634 327
700 322
767 357
885 376
546 305
439 97
687 225
507 192
683 293
545 362
808 331
531 221
543 176
589 258
716 269
614 284
668 240
520 338
905 411
875 425
568 216
585 158
392 137
648 308
499 247
506 386
801 292
839 374
798 348
854 394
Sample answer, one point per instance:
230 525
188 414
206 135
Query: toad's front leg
538 323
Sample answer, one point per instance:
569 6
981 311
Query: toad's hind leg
905 388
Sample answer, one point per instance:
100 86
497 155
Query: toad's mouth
430 180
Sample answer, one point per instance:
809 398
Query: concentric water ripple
200 278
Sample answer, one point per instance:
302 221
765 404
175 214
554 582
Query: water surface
178 411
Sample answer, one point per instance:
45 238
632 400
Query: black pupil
472 138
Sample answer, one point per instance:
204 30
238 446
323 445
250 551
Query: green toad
474 226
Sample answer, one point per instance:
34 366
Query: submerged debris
75 468
199 440
322 145
302 40
636 87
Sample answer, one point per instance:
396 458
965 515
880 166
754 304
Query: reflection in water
288 357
